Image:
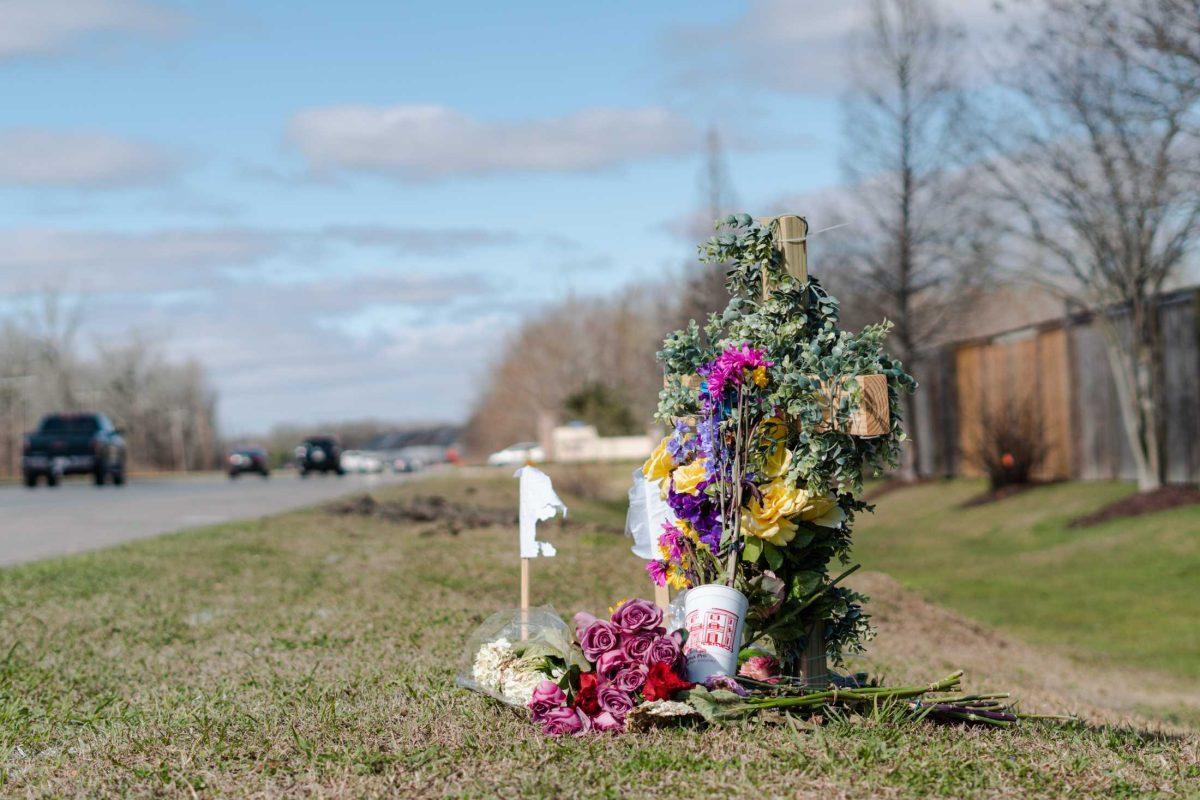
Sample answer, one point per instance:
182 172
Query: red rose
662 682
587 699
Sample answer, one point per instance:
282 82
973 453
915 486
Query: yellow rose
659 464
777 463
773 437
688 478
771 519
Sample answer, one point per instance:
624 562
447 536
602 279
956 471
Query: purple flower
724 682
658 572
701 512
610 663
637 615
632 678
598 639
665 648
635 646
546 697
566 720
615 701
605 721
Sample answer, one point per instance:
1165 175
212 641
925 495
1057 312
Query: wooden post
524 598
662 599
814 668
791 235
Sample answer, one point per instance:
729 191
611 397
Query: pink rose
637 615
637 645
664 648
599 638
546 697
563 720
582 620
760 668
605 721
631 678
615 702
609 664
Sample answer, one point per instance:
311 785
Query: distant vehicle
358 461
248 459
517 454
74 444
319 454
402 464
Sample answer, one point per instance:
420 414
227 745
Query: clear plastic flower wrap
508 656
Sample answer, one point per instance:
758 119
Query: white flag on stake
538 503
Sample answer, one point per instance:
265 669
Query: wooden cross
871 417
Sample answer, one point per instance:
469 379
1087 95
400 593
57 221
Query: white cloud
795 46
31 157
124 262
37 27
429 142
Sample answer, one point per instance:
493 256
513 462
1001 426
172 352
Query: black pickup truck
72 444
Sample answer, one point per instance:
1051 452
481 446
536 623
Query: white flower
518 679
490 661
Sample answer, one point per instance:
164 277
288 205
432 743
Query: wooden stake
662 598
524 598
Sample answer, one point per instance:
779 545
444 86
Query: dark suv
319 454
72 444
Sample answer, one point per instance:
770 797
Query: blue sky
342 208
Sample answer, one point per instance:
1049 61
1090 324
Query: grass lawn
313 655
1124 593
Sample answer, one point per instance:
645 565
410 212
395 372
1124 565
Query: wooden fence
1062 369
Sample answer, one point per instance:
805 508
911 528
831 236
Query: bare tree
1097 158
918 240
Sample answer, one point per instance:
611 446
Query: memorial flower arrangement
763 473
760 469
626 673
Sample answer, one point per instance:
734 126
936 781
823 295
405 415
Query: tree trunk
1136 367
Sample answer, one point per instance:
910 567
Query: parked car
517 454
248 459
319 454
359 461
74 444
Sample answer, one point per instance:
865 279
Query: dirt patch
1004 492
892 485
1143 503
442 514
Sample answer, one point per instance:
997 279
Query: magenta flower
632 678
760 668
546 697
598 639
729 368
610 663
615 701
637 615
605 721
565 720
637 645
665 648
658 572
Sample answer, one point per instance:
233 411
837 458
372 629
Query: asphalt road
77 516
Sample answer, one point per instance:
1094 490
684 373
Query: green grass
314 655
1123 593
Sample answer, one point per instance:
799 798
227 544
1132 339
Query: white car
358 461
516 455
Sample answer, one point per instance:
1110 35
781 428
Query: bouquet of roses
632 664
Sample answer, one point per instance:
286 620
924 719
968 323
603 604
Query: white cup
714 616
